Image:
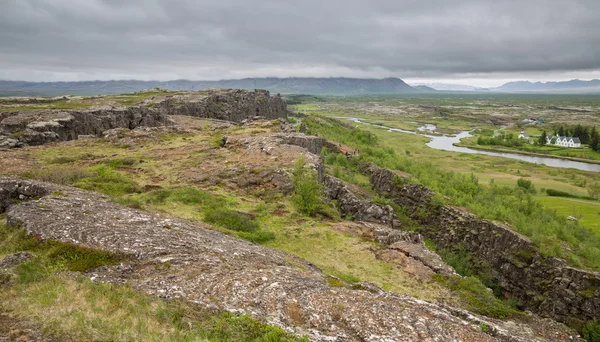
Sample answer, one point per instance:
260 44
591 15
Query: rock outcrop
37 127
349 205
223 104
545 285
213 269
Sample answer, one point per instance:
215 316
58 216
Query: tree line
586 134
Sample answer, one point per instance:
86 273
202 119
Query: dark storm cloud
64 39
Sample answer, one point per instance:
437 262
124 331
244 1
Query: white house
564 141
523 135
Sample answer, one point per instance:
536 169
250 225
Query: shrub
526 184
307 197
459 260
558 193
218 141
260 236
121 162
59 174
477 297
185 195
231 219
591 331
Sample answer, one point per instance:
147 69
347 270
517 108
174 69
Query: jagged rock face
208 268
23 128
350 205
41 127
542 284
231 105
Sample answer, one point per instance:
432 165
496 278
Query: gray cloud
110 39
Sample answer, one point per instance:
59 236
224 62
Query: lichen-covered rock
211 268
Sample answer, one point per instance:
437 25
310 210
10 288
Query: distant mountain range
448 87
293 85
565 86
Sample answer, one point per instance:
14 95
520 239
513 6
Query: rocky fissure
545 285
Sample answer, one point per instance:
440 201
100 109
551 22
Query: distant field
589 211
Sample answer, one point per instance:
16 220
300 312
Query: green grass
50 256
106 180
506 204
477 296
588 212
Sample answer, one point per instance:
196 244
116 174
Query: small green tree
308 192
542 139
526 184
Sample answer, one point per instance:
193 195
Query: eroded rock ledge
545 285
38 127
211 268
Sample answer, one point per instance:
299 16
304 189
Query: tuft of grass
333 282
50 256
59 174
185 195
246 227
591 331
477 297
106 180
231 219
119 163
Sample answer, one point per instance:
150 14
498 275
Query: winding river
446 143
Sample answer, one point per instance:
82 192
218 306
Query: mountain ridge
527 86
306 85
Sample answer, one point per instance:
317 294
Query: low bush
185 195
591 331
231 219
119 163
526 184
244 226
477 297
558 193
59 174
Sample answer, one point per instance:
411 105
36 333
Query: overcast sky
474 42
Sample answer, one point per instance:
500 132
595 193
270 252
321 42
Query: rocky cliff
37 127
542 284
